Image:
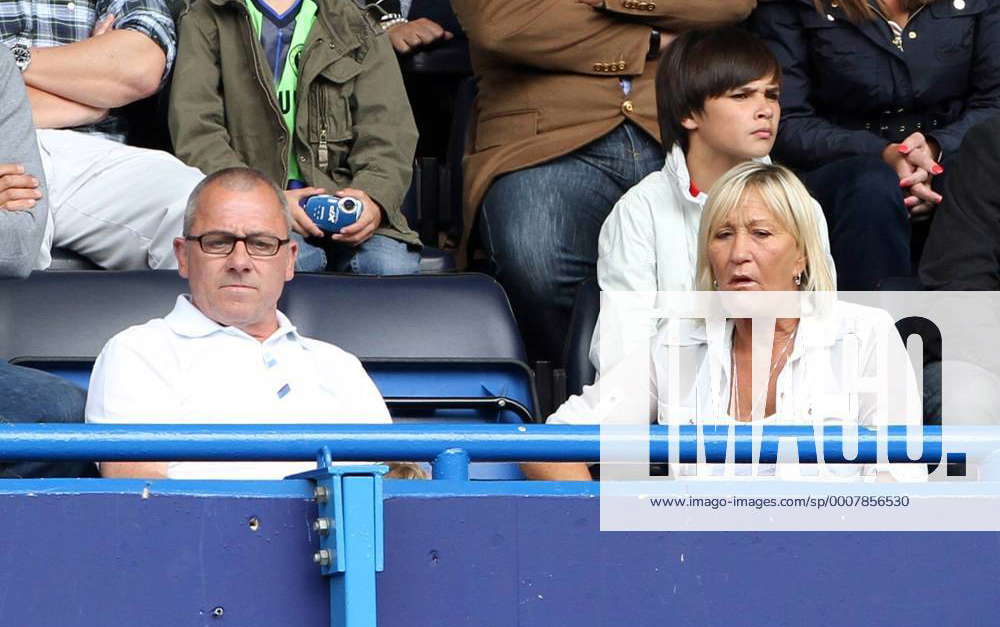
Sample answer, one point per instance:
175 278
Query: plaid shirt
44 23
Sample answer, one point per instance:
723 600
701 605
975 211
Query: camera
332 213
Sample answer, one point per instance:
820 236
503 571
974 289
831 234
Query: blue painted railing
451 447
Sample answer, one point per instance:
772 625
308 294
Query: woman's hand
914 164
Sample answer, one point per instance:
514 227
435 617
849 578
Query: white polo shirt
187 369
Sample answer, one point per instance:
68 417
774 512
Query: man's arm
128 385
134 470
554 35
110 70
23 199
51 111
680 15
571 36
570 471
113 67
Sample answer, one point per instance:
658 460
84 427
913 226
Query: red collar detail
694 189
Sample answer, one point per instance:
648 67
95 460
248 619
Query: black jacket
839 76
963 250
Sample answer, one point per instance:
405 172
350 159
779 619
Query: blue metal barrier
410 442
349 498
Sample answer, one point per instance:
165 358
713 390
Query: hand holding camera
332 213
358 218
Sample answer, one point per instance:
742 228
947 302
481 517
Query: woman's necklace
734 393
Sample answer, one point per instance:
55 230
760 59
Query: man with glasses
225 354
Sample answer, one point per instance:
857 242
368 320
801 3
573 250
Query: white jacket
649 242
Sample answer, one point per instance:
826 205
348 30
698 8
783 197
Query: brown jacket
549 75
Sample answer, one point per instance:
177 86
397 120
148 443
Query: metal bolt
502 403
323 557
322 525
321 494
218 612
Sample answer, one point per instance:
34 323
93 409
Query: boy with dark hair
315 100
717 101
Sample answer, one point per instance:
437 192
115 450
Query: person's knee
41 397
385 256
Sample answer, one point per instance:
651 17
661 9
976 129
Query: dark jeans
869 225
540 228
28 395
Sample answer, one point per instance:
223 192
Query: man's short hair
705 64
237 179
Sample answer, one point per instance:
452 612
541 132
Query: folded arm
110 70
52 111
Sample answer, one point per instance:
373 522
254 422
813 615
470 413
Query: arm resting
134 470
567 471
680 15
539 35
21 232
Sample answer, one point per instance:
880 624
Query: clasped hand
914 162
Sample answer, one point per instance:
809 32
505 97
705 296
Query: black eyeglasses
221 243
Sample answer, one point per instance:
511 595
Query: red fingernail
937 169
903 184
903 149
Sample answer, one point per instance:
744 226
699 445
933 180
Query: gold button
651 6
829 17
628 107
913 34
597 67
621 66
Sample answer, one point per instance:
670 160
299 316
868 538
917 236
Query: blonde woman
759 232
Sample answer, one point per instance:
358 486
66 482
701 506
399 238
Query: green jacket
353 127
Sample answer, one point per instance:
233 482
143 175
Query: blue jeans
869 225
540 227
379 255
28 395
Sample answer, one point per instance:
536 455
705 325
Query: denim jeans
869 225
28 395
379 255
540 227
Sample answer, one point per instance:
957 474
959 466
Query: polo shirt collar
187 320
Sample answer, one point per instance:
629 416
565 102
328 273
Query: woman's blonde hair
785 195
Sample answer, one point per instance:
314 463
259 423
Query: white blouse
847 367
